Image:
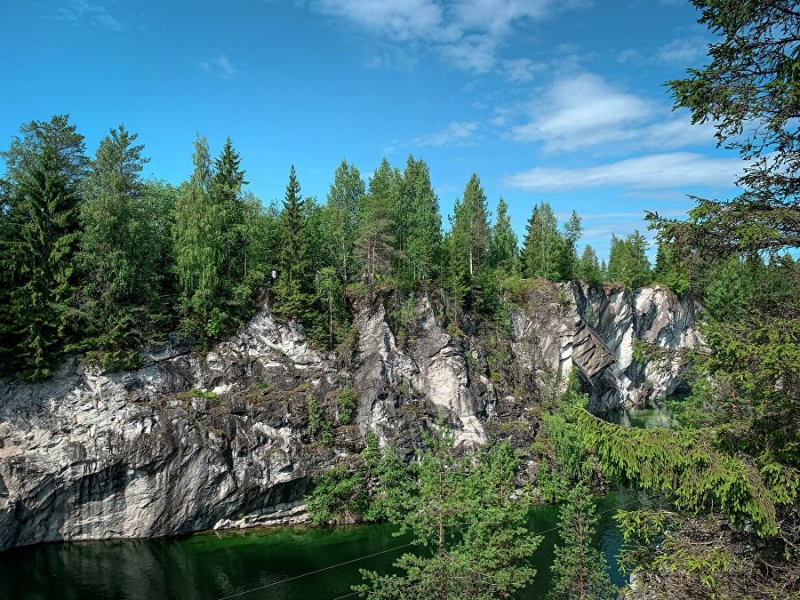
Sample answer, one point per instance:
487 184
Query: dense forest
98 260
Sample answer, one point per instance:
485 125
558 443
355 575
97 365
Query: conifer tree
375 235
471 531
568 256
542 246
421 223
45 167
579 568
226 191
294 295
627 261
119 254
503 246
589 270
39 240
470 236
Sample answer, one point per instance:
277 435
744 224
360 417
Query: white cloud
219 66
78 11
654 171
456 133
582 111
466 33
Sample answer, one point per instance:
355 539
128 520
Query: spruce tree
470 237
422 226
589 270
568 256
40 237
543 245
119 257
503 250
294 295
235 288
45 167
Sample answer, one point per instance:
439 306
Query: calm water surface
210 566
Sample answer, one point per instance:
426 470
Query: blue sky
547 100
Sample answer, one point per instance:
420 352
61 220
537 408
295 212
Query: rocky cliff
195 441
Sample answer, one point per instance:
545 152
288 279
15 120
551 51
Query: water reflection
208 566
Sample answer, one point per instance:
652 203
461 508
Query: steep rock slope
194 441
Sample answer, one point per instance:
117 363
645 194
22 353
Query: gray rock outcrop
223 439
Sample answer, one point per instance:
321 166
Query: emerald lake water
210 566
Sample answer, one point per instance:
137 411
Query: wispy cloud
522 70
585 111
654 171
581 111
457 133
681 51
94 13
219 66
466 33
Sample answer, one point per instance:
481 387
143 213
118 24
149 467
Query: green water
210 566
645 418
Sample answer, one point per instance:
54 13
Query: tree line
96 259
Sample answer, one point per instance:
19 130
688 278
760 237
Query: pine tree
579 568
503 246
375 235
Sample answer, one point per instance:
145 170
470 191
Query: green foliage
627 261
470 530
469 243
543 245
670 270
294 297
319 427
503 245
375 234
346 401
340 496
345 198
589 268
579 568
686 465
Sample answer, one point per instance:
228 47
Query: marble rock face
197 441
